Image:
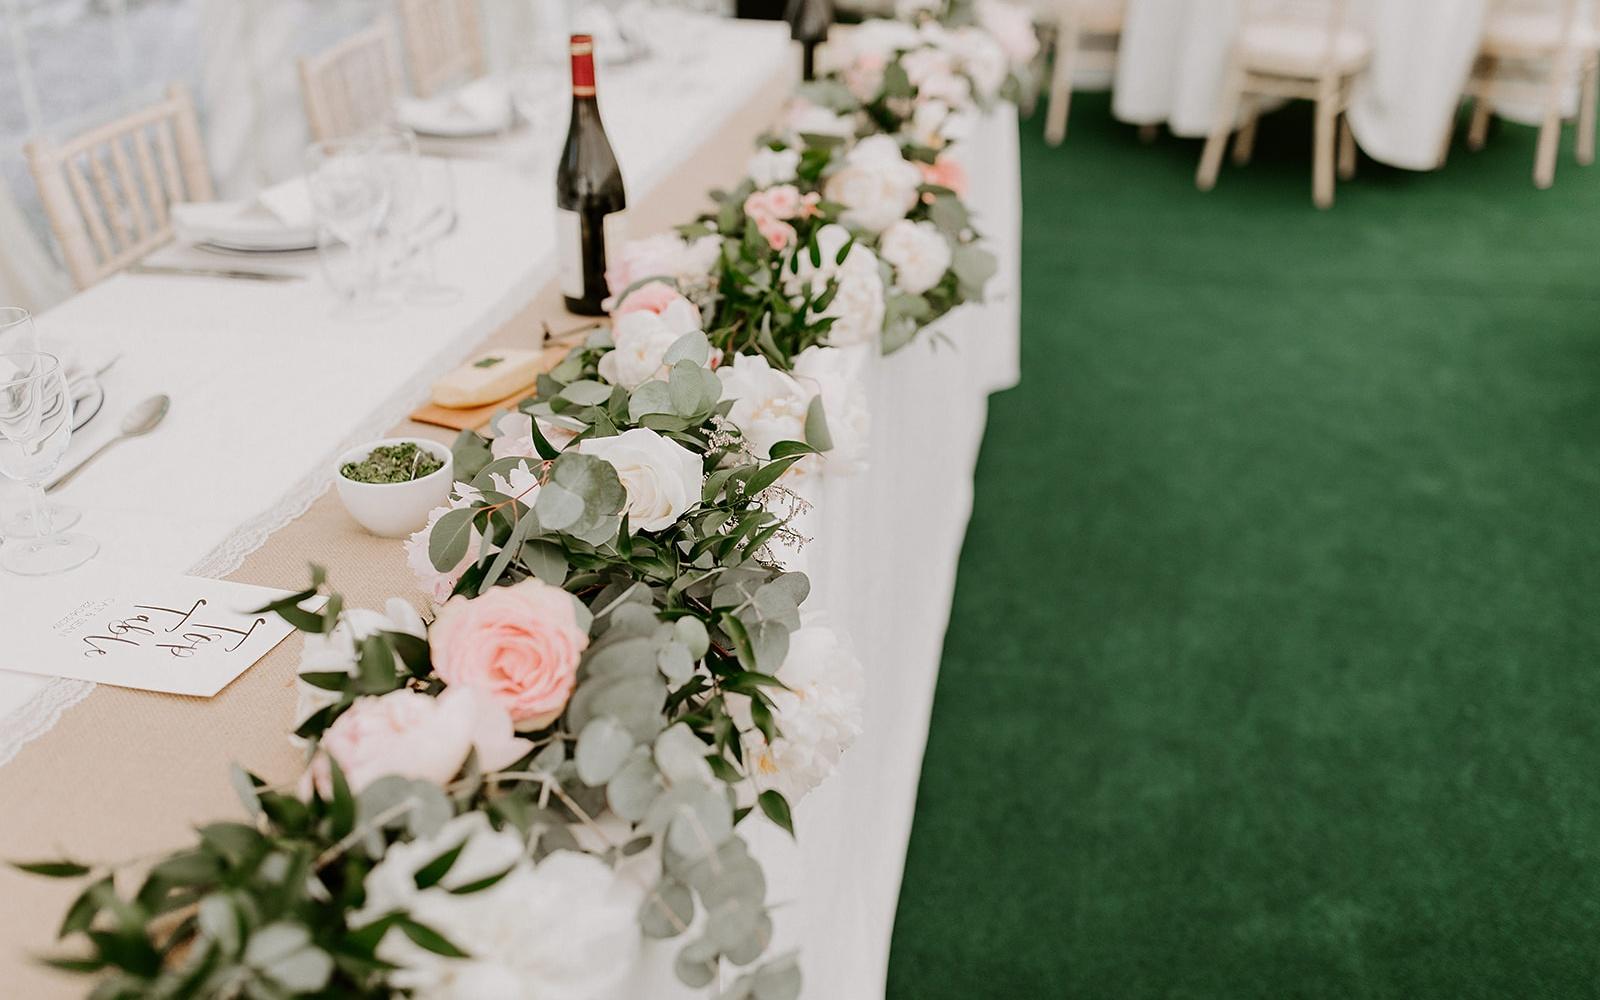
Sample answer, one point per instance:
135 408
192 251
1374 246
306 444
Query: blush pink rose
654 297
415 736
778 234
520 644
946 172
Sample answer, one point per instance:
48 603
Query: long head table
128 773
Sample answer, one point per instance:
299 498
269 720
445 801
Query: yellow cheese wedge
489 377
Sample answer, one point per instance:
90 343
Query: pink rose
946 172
654 297
778 234
415 736
521 644
439 584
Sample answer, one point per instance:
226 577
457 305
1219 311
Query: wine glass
351 192
19 335
35 427
421 212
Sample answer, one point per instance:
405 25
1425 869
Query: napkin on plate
479 108
278 218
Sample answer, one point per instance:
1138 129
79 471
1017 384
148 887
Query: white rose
665 255
439 583
925 63
338 651
773 166
662 478
980 56
805 118
641 339
567 927
950 89
876 185
857 306
919 252
835 374
818 712
768 405
513 436
1012 26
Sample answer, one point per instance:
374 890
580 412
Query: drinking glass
421 212
351 192
18 335
35 427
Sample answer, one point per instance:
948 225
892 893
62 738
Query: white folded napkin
278 218
481 107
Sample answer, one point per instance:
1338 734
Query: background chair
1563 40
444 44
1086 37
107 193
1296 50
352 86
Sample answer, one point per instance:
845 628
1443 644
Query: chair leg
1227 113
1149 133
1478 131
1544 163
1347 149
1322 151
1244 144
1588 99
1055 119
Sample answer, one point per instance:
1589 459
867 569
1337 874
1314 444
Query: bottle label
569 247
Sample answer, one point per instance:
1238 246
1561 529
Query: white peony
979 55
857 307
773 166
641 339
768 405
910 10
876 185
927 62
665 255
834 373
564 929
337 651
919 252
819 713
662 477
513 436
1011 24
439 583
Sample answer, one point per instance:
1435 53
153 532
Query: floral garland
505 801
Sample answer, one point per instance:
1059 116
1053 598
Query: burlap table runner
128 773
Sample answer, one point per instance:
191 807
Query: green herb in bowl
392 463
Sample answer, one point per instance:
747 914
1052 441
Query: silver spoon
140 420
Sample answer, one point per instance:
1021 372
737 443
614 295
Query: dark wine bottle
590 200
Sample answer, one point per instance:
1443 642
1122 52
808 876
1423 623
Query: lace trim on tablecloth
36 717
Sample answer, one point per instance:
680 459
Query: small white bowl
395 510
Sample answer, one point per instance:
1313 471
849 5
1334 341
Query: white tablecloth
268 389
1175 53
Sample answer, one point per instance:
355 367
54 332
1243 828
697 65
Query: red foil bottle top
582 66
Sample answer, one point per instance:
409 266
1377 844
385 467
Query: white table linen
1174 57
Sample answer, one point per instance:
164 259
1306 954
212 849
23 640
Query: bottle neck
582 69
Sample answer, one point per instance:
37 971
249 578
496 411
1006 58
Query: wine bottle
590 200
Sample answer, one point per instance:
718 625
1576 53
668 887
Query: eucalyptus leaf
668 911
602 747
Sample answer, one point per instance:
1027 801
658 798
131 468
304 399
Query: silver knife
214 272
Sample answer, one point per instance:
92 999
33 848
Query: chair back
443 42
1332 16
352 86
108 192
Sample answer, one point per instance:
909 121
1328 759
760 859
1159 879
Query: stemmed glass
351 192
35 427
18 335
421 212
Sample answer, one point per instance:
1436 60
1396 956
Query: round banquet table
1174 54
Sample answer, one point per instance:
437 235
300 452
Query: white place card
178 634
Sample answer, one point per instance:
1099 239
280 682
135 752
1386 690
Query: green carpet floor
1274 669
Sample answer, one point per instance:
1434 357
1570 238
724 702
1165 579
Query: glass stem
36 509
